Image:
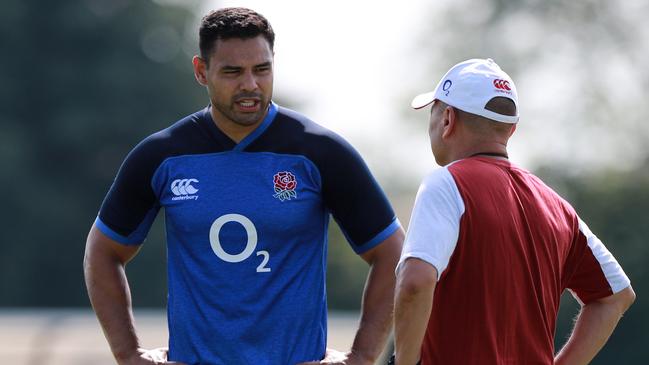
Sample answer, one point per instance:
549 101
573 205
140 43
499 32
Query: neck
235 131
494 150
492 155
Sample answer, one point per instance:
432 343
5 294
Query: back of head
489 128
227 23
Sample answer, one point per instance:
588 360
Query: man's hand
149 357
333 357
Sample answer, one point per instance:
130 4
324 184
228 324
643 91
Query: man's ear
513 129
449 121
200 70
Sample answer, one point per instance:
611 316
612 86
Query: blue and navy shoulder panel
349 190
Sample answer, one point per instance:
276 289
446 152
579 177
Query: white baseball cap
469 86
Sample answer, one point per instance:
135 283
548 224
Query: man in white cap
494 245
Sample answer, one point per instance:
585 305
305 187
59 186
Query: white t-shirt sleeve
435 221
611 269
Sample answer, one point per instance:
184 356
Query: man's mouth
248 105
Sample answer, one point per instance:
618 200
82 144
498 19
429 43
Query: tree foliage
82 84
579 67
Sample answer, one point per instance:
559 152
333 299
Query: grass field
73 336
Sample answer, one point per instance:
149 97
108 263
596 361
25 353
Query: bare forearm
593 327
376 314
110 297
412 310
416 281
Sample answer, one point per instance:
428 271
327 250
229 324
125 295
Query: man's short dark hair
484 125
230 23
501 105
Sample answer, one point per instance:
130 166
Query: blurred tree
579 68
82 83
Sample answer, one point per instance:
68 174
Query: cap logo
446 86
502 84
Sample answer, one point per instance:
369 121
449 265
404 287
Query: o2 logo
251 245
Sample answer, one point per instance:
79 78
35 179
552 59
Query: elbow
411 287
415 278
620 301
627 297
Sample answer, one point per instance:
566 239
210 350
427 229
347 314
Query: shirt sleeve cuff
131 240
380 237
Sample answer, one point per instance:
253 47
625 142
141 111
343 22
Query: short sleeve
435 221
354 197
592 271
130 207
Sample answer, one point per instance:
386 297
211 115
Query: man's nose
249 82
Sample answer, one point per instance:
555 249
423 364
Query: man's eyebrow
231 68
238 68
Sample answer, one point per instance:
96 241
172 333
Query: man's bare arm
594 325
416 282
377 307
103 265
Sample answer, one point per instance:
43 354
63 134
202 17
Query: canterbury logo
502 84
183 188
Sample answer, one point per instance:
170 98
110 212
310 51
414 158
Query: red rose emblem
285 185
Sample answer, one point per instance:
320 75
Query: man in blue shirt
247 187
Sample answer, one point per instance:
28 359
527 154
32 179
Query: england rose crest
285 185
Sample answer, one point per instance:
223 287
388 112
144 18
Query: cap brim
422 100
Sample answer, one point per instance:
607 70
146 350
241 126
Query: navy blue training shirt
246 231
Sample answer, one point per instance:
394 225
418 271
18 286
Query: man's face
239 80
435 131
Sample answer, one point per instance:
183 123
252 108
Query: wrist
393 360
127 357
360 358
